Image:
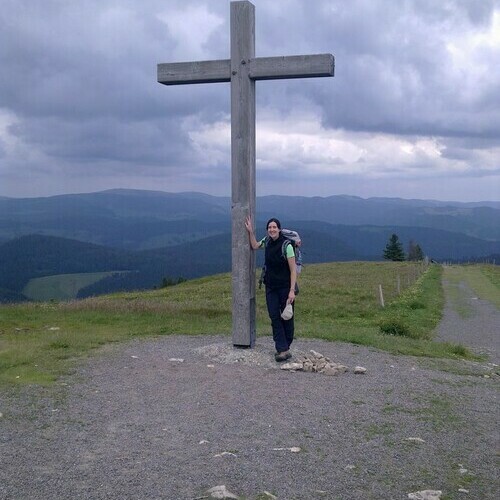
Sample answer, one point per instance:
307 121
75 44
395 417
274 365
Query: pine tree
394 249
415 253
420 253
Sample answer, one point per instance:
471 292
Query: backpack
291 238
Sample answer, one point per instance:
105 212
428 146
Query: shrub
460 350
416 304
395 326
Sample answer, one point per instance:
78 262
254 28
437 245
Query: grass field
337 302
61 286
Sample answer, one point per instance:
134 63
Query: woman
280 281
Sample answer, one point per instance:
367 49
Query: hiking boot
282 356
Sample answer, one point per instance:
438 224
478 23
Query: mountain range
155 235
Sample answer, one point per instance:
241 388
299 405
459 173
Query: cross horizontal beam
194 72
276 68
260 68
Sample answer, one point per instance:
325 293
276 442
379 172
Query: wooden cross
242 70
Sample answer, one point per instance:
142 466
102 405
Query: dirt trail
470 320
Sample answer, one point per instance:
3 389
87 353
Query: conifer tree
419 252
394 249
415 253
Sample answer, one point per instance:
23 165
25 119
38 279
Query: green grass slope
337 302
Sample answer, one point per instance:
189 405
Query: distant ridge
198 194
137 219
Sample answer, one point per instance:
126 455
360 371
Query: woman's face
273 230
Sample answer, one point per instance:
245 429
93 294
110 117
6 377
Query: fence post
381 295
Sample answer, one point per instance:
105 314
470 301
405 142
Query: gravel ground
136 422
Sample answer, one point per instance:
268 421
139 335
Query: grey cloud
59 61
392 65
83 93
385 80
152 141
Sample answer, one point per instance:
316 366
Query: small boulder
221 492
292 366
316 354
330 370
425 495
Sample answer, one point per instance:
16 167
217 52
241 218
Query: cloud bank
413 109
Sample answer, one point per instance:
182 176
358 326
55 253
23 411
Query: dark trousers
282 330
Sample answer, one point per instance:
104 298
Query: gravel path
136 422
479 329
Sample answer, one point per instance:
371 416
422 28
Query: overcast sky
413 110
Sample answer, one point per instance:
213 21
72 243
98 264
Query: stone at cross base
242 70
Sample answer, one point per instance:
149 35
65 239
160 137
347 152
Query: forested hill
28 257
35 256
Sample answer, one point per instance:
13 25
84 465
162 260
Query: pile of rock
317 363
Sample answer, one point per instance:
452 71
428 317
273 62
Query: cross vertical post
242 170
242 71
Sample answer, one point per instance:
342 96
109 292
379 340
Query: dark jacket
277 269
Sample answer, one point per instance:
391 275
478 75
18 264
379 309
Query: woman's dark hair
278 223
